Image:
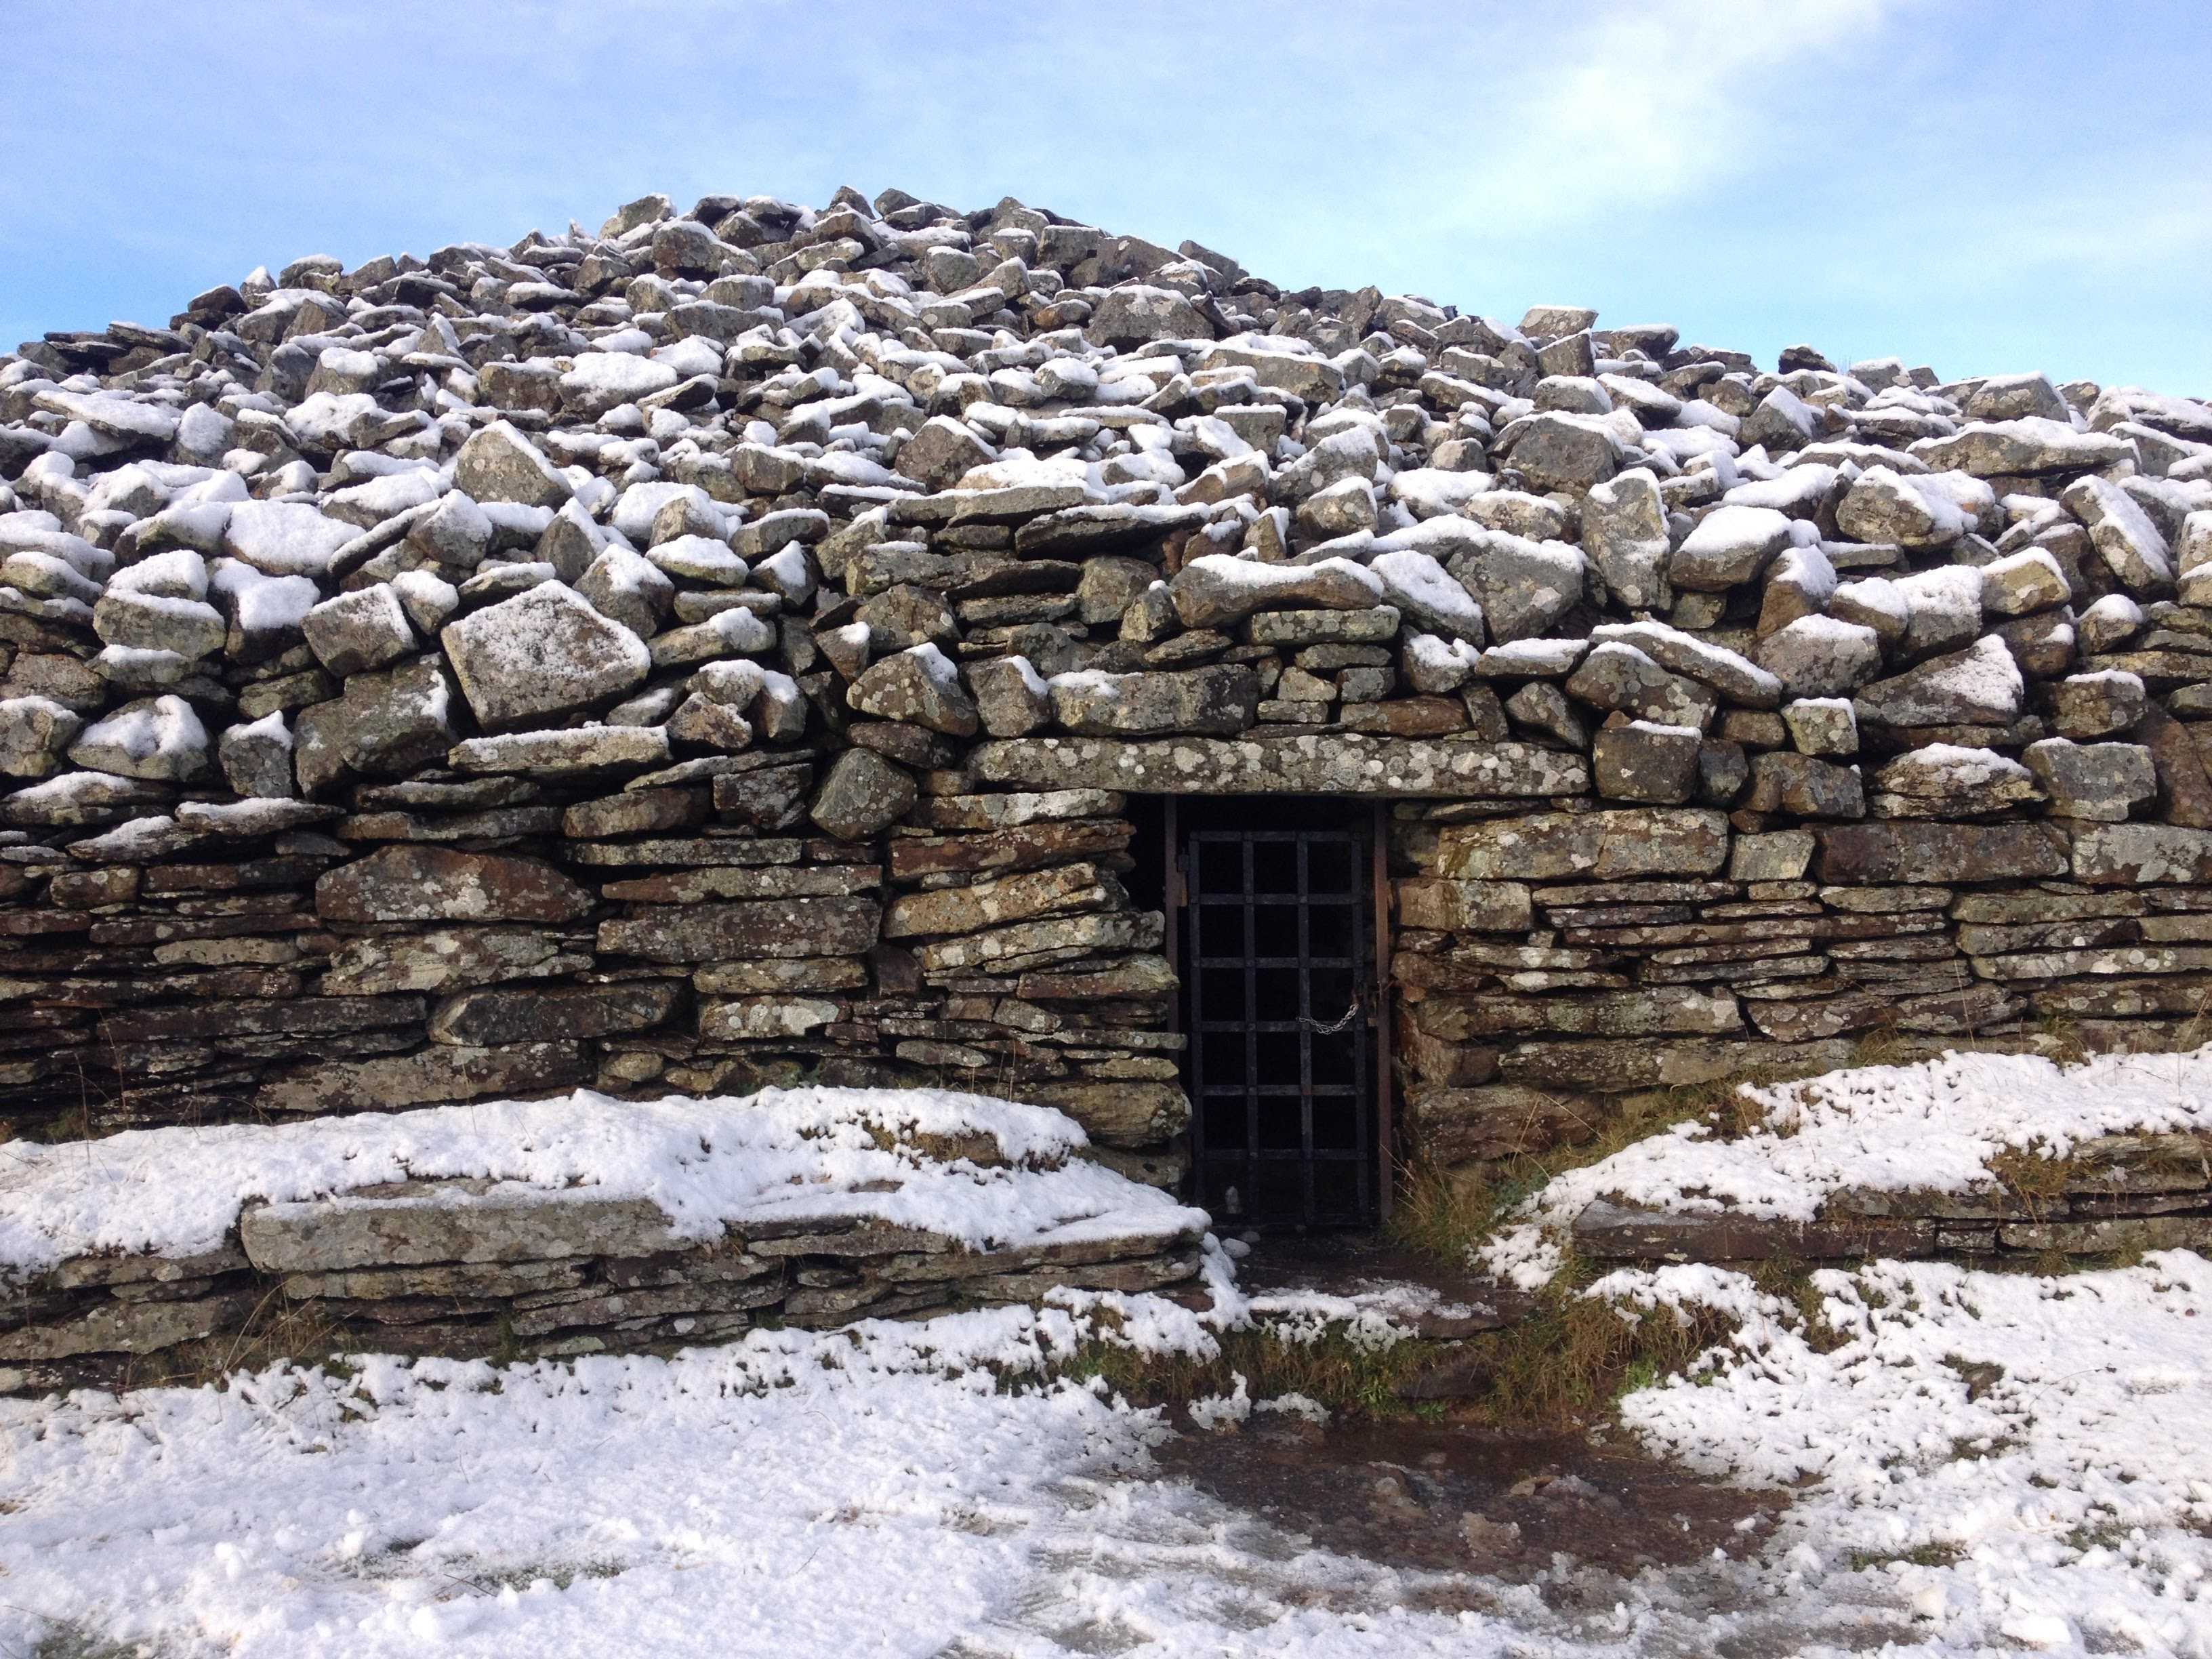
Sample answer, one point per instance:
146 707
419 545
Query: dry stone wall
575 1225
2109 1195
727 647
451 1268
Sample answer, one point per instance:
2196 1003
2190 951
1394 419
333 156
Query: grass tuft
1360 1379
1444 1214
1564 1363
1920 1555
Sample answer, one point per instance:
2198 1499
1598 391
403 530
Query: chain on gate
1344 1020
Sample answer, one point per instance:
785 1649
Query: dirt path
1445 1497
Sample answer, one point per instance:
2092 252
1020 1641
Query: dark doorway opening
1274 900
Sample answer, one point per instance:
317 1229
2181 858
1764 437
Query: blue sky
1982 185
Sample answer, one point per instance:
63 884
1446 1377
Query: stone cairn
721 649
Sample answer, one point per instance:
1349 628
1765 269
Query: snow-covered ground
1997 1461
2008 1461
797 1494
1977 1463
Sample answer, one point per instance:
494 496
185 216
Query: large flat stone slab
430 884
434 1076
448 1224
1618 1232
1926 851
744 929
1596 846
1336 763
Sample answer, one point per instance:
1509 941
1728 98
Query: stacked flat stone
478 1270
2117 1194
721 647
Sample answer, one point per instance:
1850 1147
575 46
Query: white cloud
1648 105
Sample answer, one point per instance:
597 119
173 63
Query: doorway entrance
1275 906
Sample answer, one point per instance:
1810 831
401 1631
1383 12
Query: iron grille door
1277 952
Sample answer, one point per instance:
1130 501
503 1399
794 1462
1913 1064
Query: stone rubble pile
722 647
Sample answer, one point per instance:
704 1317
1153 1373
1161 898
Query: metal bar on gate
1303 911
1386 1163
1173 897
1251 976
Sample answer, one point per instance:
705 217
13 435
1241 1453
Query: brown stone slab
1917 851
432 884
433 1077
1024 847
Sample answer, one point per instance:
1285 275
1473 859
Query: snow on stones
1733 675
2031 444
1944 779
1217 588
1980 684
601 380
159 737
284 538
130 419
623 586
1883 507
542 652
782 1160
1426 595
919 685
326 421
360 630
500 465
1729 546
1525 587
256 758
2123 534
265 612
1852 1137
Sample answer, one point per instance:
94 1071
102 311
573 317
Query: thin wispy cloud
1647 107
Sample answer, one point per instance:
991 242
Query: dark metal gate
1278 968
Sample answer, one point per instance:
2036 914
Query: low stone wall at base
2114 1195
446 1268
581 1225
